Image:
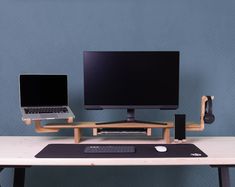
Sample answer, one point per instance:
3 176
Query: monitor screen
43 90
131 79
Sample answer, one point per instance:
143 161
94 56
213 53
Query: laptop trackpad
48 115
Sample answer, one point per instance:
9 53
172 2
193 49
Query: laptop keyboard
46 110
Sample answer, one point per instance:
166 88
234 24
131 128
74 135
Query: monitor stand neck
130 115
131 119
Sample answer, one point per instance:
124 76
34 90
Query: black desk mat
142 151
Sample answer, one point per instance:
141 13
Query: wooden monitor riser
52 127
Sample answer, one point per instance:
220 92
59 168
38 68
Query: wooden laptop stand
55 127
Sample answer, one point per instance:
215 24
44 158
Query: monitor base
131 119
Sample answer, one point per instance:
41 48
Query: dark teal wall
48 36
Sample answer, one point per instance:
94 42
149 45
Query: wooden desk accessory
77 126
201 126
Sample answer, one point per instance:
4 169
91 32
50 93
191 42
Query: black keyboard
109 149
122 130
46 110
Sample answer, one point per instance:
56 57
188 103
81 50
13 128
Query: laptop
44 97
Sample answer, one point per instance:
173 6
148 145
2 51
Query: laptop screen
43 90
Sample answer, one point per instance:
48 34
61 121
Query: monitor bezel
162 107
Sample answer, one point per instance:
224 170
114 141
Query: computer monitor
131 80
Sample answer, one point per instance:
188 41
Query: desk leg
0 172
224 180
19 177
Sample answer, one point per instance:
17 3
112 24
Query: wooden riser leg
95 131
77 135
149 131
166 135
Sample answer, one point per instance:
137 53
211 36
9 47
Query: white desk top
20 150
